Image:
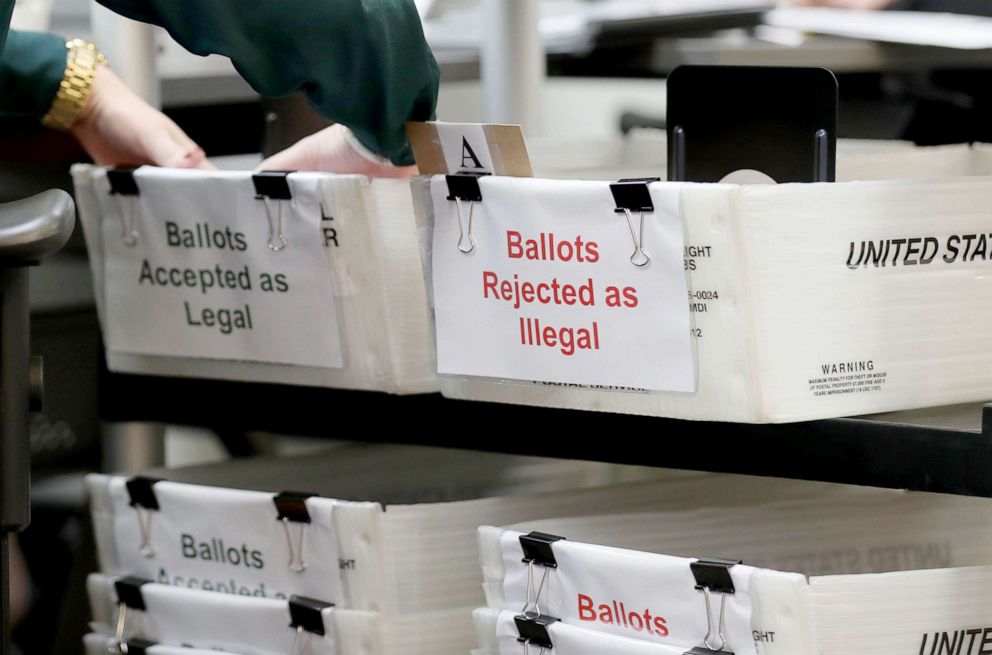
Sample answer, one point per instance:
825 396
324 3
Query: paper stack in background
376 282
412 564
644 153
928 28
891 572
865 531
570 26
808 300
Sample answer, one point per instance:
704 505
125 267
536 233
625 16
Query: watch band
82 60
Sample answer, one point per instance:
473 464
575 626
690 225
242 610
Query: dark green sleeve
6 11
363 63
31 68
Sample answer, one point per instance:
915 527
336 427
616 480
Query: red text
614 613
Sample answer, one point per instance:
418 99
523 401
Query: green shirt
363 63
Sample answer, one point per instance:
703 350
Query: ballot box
871 572
302 278
389 530
729 302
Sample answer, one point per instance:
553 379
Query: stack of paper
866 531
644 153
805 300
910 27
569 26
207 289
412 566
890 573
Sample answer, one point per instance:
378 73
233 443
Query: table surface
191 80
836 53
957 418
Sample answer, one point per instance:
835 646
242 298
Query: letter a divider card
216 273
551 291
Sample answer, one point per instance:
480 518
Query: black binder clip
272 184
144 502
291 507
129 597
464 187
139 646
269 186
534 630
537 548
122 183
537 551
633 195
305 614
129 592
703 650
712 575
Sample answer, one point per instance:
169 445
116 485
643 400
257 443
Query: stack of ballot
944 30
384 561
644 153
570 26
805 301
314 281
889 572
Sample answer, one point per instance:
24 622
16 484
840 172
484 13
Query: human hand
334 150
118 127
864 5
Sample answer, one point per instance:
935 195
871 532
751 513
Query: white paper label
630 593
230 623
229 541
465 147
549 292
201 280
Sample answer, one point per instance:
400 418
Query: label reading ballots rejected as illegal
549 292
201 280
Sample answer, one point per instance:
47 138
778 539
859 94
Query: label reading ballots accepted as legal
549 293
227 540
201 280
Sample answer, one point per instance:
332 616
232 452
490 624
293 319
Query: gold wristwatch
82 60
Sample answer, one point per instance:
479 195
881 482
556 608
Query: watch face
780 122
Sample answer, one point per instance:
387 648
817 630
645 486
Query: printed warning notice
202 281
549 292
848 377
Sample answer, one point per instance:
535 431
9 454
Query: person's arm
113 124
362 63
31 68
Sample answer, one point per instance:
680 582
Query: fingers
299 156
195 158
278 162
394 171
118 127
179 155
169 146
330 151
